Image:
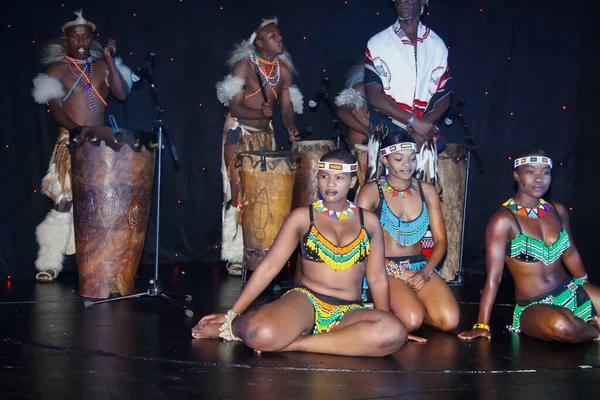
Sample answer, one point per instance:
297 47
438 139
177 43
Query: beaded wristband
481 326
581 280
226 330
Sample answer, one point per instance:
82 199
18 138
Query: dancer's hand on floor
474 334
212 319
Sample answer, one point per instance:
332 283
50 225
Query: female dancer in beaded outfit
417 293
323 314
554 300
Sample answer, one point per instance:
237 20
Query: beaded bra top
317 248
407 233
527 249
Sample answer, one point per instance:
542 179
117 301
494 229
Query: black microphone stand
337 125
470 150
156 288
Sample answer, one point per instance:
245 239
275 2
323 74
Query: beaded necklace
81 74
271 78
341 215
385 185
538 211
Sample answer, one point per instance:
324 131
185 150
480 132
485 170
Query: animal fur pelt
125 72
232 240
55 239
57 50
228 88
297 99
348 97
46 88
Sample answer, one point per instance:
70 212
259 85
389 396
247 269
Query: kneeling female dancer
406 208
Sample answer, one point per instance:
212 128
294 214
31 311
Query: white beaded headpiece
533 160
338 167
398 147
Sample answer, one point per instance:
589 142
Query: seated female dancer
323 314
406 208
554 300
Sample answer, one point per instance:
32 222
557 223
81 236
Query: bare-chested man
248 123
354 113
80 75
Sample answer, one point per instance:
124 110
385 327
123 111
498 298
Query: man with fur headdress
248 122
79 76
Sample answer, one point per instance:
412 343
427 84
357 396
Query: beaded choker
398 193
341 215
536 212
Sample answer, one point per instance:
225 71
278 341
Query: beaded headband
332 166
533 160
398 147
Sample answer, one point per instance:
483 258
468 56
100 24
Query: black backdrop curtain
512 61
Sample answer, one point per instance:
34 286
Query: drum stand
470 149
156 288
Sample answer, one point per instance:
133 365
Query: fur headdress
243 50
79 21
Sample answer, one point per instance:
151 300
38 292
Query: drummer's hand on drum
99 133
294 134
267 110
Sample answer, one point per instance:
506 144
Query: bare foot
206 330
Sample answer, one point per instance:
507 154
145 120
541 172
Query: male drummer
248 125
353 111
80 75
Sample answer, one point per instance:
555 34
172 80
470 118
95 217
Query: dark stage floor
52 347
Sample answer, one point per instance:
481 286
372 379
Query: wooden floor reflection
52 347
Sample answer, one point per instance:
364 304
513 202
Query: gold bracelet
481 326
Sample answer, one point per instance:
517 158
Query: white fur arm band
349 97
125 72
46 88
226 330
297 99
228 88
